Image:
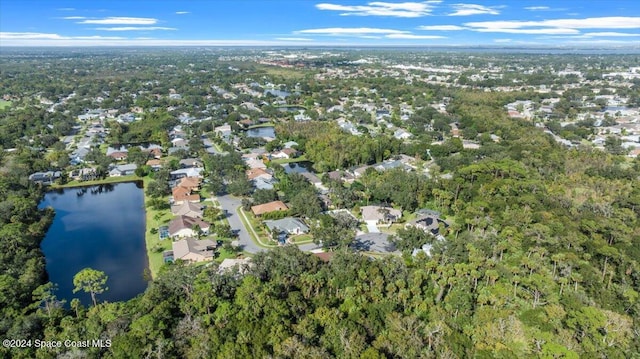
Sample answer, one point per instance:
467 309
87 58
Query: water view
267 131
277 93
101 227
298 167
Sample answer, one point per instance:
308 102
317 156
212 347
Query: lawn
302 239
74 183
4 104
263 239
284 72
280 161
155 246
267 124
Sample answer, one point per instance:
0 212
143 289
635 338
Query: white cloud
379 8
135 28
441 27
115 41
537 31
610 34
619 22
116 20
501 41
293 39
50 36
66 9
74 17
413 37
28 35
341 31
537 8
472 9
182 12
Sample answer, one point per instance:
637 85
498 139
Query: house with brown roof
118 154
182 194
190 183
258 172
183 226
269 207
193 250
155 164
188 209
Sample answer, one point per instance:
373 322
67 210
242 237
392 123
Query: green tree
90 281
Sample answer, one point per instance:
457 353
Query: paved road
230 204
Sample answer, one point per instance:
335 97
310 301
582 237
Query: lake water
277 93
267 131
101 227
298 167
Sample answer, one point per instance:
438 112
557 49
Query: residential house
85 174
258 172
181 194
378 214
187 172
155 164
285 153
190 162
268 207
173 150
391 164
229 263
45 177
180 143
290 144
78 156
253 160
193 250
359 172
402 134
427 223
117 153
188 209
288 225
341 176
183 226
153 150
224 132
313 179
190 183
123 170
263 183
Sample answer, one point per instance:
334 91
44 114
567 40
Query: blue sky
325 22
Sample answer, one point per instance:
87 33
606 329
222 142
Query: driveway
372 226
229 206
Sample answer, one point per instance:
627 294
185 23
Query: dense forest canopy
541 257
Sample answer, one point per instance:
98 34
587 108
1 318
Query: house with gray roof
187 172
289 225
45 177
123 170
187 208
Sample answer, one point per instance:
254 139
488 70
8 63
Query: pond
259 132
277 93
101 227
298 167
